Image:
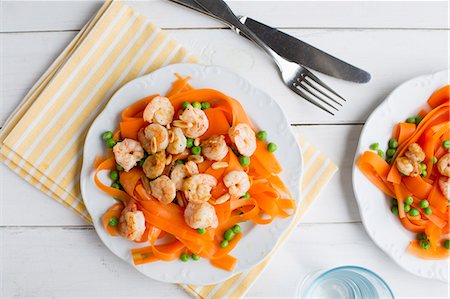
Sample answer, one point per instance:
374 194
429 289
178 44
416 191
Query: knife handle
223 12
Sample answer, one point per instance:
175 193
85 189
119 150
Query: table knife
294 49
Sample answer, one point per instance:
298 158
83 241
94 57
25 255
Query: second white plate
385 229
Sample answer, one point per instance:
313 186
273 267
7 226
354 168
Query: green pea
196 150
424 203
422 236
406 207
427 211
119 168
246 195
115 185
409 200
197 105
195 257
446 144
411 120
271 147
434 160
418 119
236 228
201 231
245 161
447 244
394 210
394 202
393 143
189 142
390 152
414 212
228 235
180 162
261 135
423 166
107 135
390 160
205 105
114 175
425 244
113 221
380 153
423 173
374 146
185 105
224 244
184 257
110 143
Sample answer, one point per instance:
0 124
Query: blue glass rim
337 269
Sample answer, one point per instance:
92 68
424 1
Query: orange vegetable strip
436 198
439 97
433 233
177 86
114 211
218 123
131 111
403 131
418 186
439 253
110 164
168 252
226 262
266 158
410 226
130 128
129 179
376 170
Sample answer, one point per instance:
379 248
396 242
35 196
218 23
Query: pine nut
182 124
197 141
196 158
180 200
171 136
153 145
222 199
218 165
168 159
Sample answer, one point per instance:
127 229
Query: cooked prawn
159 110
127 153
200 215
215 148
198 119
415 153
244 138
408 167
198 187
443 165
237 182
180 172
132 223
158 135
154 165
444 185
178 144
163 189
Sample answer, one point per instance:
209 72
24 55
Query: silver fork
296 77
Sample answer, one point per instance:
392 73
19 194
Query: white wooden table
46 251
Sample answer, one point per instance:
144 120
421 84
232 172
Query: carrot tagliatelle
415 172
167 234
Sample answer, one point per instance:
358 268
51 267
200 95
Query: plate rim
355 170
285 231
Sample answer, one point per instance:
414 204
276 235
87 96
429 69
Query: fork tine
309 99
316 93
321 83
319 91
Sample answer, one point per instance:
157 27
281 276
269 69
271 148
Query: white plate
385 229
258 241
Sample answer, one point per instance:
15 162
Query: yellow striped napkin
42 140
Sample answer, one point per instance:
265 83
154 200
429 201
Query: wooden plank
392 56
25 205
76 264
72 15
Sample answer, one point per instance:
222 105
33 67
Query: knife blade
294 49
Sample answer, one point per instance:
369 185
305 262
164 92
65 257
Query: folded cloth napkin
42 140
